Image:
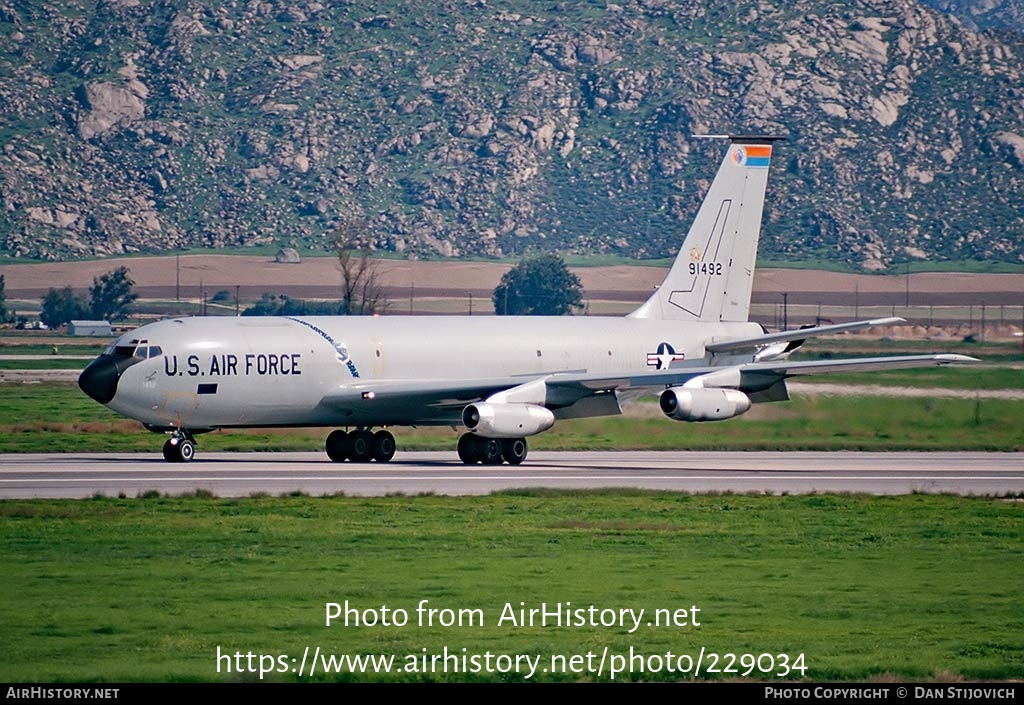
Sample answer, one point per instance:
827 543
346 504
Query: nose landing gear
180 447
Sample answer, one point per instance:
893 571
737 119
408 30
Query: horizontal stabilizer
745 344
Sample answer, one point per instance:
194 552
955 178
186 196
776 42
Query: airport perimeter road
243 474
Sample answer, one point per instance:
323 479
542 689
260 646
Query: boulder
287 255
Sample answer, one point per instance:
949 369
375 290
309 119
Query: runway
411 473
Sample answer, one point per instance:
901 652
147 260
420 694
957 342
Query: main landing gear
491 451
360 446
180 447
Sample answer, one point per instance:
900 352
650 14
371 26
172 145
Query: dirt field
453 287
217 272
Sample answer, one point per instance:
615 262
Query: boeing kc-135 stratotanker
502 378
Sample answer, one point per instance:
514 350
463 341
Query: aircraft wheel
513 450
469 449
335 446
491 451
359 446
383 446
186 450
179 450
170 452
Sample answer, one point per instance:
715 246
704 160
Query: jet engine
506 420
698 404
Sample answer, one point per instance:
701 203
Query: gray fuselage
274 371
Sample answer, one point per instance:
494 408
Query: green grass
977 378
11 346
815 423
51 417
54 363
918 587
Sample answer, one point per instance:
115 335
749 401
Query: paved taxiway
243 474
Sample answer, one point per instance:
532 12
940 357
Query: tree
281 305
362 292
540 285
268 305
111 294
61 306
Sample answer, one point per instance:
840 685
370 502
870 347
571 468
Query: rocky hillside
980 15
483 127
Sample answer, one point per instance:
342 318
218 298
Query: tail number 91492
713 269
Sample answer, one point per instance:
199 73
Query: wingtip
954 359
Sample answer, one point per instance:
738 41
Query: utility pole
907 304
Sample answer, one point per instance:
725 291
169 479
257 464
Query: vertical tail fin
713 273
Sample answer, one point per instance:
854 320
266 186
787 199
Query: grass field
48 363
975 379
910 588
51 417
917 587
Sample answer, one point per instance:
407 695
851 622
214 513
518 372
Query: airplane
501 378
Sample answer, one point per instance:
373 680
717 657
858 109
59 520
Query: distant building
97 328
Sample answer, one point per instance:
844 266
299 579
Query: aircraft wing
735 376
440 401
863 364
760 381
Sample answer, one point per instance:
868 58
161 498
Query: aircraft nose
99 379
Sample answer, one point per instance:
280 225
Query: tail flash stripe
753 155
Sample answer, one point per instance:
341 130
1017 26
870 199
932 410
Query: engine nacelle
506 420
698 404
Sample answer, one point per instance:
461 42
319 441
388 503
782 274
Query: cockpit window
134 348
